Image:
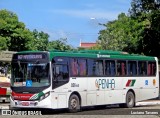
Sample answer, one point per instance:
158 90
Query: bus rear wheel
74 103
130 100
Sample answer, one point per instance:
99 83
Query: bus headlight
44 96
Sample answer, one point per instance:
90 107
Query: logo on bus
154 82
130 83
105 83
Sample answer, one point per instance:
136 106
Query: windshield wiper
19 64
22 70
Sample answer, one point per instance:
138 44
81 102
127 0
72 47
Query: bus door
59 81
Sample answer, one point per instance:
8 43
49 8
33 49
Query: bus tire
74 104
130 100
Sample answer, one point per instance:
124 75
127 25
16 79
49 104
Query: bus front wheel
130 100
74 103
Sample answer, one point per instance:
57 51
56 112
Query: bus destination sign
31 56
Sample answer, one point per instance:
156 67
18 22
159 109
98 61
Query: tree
3 43
41 40
148 10
151 36
122 34
139 32
60 44
143 7
13 34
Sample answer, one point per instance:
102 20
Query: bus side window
132 68
110 68
151 69
95 67
113 70
74 67
154 68
60 72
142 68
121 68
99 67
91 67
82 67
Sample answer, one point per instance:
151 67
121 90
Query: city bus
76 79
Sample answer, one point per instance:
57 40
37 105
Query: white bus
73 80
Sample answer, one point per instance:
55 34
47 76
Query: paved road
109 111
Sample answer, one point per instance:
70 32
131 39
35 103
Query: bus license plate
25 103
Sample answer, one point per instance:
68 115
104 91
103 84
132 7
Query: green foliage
81 48
139 32
13 34
59 45
3 43
40 41
122 34
150 10
96 47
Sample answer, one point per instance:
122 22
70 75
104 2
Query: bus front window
30 74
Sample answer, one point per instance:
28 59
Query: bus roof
110 54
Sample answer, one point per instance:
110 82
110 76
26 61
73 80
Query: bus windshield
25 74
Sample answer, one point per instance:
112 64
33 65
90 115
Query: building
87 45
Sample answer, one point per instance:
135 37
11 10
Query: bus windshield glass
25 74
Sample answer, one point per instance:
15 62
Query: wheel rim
130 99
74 103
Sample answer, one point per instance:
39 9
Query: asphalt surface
92 113
144 111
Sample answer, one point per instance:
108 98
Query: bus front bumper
45 103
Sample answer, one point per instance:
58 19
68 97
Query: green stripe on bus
133 82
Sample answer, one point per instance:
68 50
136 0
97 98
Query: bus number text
74 85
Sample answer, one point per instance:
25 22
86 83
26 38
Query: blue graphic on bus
146 82
28 83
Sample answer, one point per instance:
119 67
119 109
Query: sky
76 20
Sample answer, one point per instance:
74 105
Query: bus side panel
148 88
107 96
83 95
92 89
62 94
106 90
59 99
116 90
62 101
131 83
54 100
79 85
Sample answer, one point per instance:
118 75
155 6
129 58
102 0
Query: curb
156 102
